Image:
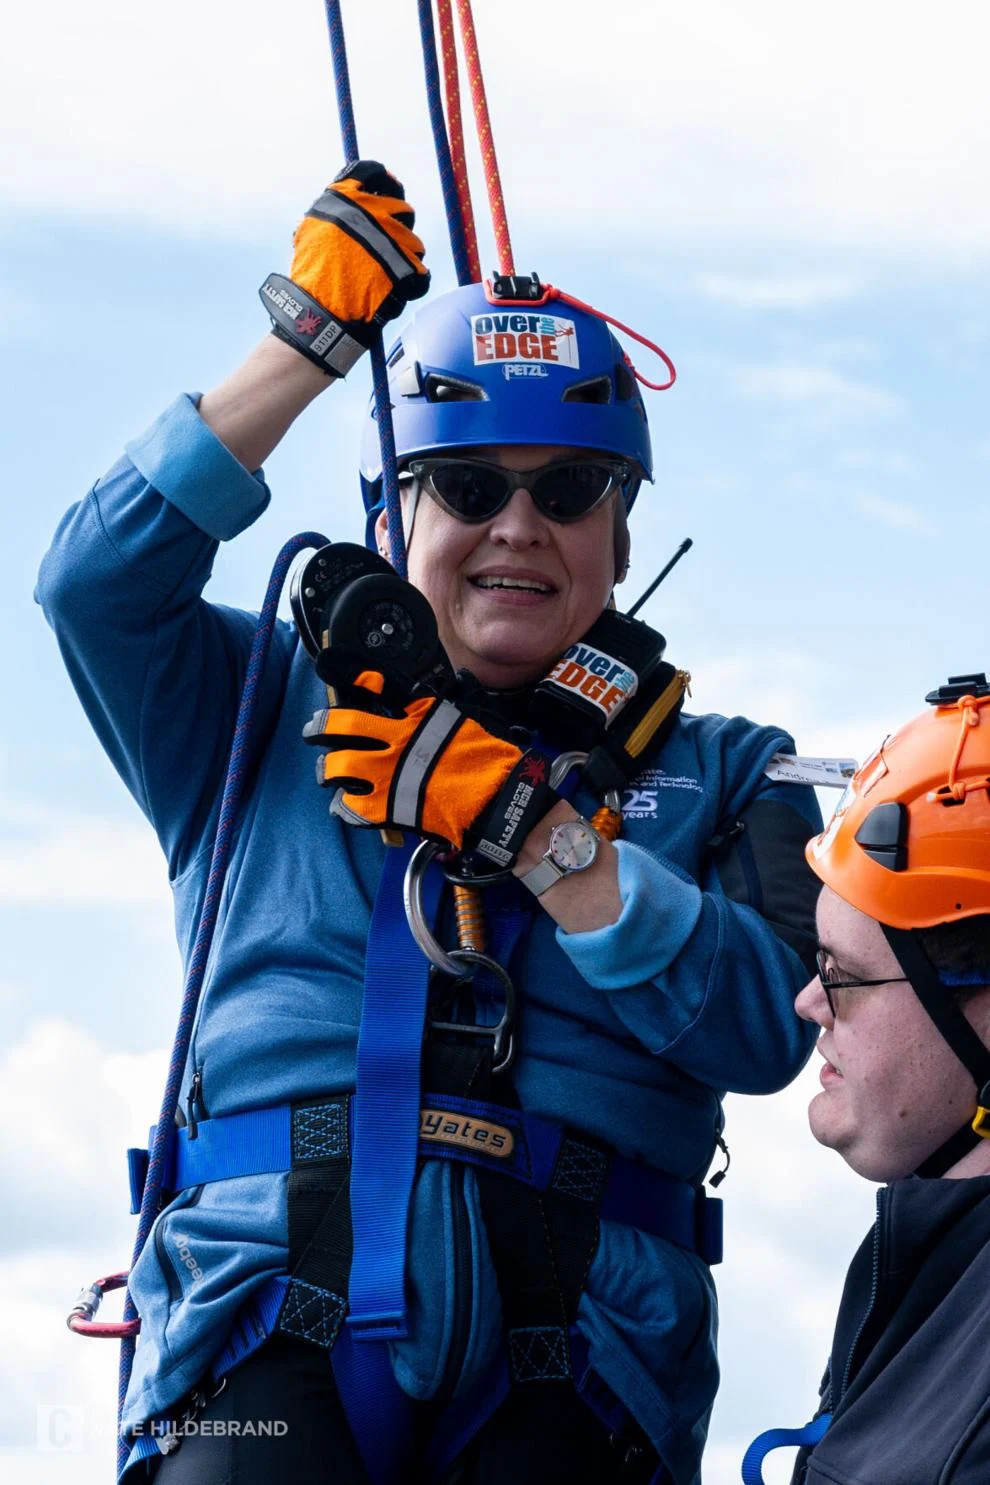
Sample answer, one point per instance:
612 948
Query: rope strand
503 245
230 804
379 370
457 229
455 125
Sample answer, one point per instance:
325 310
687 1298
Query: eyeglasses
564 490
830 980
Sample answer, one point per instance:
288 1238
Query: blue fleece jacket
631 1032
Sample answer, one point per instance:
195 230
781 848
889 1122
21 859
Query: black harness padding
542 1244
319 1213
954 1028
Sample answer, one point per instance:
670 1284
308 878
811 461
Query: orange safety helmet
909 843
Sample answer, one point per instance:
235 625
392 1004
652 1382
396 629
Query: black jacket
908 1382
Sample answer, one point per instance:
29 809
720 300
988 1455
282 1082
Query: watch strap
544 875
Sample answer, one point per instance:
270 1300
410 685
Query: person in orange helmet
902 997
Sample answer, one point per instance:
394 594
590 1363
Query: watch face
573 845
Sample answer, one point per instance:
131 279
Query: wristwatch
573 847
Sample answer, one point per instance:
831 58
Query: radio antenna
685 546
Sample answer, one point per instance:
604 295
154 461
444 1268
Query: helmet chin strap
957 1031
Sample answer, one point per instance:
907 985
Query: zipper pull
194 1092
716 1180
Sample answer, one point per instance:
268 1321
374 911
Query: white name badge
826 773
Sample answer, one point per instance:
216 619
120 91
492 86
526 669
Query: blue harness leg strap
781 1438
386 1105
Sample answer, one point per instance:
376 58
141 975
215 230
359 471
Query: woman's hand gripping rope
357 263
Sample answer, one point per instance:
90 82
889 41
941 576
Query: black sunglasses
564 490
831 981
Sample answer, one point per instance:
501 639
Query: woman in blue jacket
558 1314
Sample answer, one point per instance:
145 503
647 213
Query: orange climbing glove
357 263
433 770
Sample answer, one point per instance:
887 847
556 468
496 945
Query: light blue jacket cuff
182 458
660 907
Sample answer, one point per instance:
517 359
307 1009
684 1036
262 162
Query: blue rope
379 370
441 144
229 806
341 80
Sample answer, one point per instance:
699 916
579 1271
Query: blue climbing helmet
468 373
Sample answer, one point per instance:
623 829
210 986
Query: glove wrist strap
302 322
519 806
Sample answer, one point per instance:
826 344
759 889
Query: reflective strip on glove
357 263
432 770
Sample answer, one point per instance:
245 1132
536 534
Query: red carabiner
80 1318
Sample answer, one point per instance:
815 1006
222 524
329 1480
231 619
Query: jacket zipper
874 1286
165 1260
193 1098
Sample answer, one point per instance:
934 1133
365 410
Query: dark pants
541 1435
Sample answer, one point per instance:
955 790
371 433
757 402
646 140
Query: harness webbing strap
259 1142
781 1438
314 1301
386 1104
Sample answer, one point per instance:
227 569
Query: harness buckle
503 1044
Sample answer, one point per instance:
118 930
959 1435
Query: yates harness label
524 343
468 1134
597 677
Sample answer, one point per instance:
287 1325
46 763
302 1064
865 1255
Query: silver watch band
544 875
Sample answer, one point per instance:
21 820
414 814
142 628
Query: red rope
455 130
627 330
503 246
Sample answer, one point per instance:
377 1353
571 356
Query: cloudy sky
791 198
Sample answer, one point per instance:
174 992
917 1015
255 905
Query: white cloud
795 1215
894 513
65 1171
765 123
61 856
776 293
825 394
72 1105
57 1390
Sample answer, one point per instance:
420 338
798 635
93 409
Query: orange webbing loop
503 246
607 822
470 913
455 131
